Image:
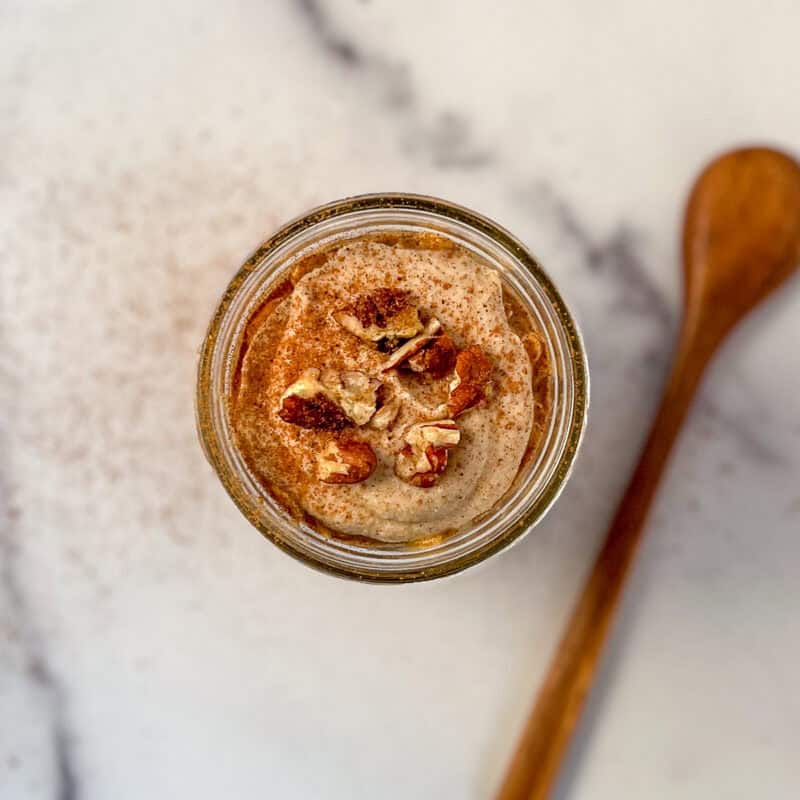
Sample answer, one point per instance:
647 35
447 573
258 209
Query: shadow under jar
412 244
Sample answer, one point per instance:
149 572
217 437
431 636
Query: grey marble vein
38 667
617 257
336 46
446 140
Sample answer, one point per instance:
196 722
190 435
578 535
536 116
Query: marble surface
153 645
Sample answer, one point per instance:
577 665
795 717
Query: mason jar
541 477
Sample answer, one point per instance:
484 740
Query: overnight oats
391 389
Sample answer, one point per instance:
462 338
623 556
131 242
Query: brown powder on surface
379 306
293 331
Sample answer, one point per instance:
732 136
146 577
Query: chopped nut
406 466
473 366
439 432
355 392
471 384
464 397
382 395
346 462
381 306
437 358
313 412
331 401
386 415
423 458
306 386
413 346
385 314
307 403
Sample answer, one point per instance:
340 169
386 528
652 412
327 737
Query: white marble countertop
153 644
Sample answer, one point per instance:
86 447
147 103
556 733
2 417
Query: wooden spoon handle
548 729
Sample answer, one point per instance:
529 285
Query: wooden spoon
741 240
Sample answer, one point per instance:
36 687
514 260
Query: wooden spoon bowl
741 237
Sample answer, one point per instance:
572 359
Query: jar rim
406 562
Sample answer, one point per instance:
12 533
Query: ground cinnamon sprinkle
293 331
377 307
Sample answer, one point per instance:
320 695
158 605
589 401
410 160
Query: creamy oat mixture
337 437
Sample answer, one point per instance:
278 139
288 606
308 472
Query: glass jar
540 480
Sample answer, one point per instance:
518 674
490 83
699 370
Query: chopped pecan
346 462
406 466
388 409
464 397
437 358
355 392
473 366
381 306
331 401
383 315
388 345
386 415
423 458
413 346
471 384
317 412
383 395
